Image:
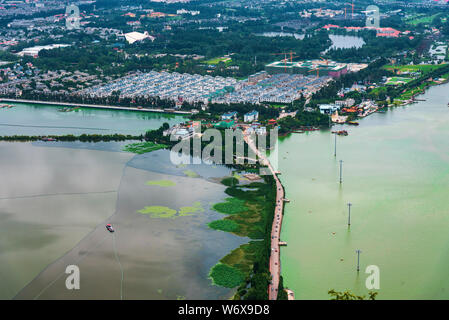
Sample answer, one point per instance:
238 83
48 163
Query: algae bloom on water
224 225
231 206
226 276
191 174
166 212
188 211
143 147
161 183
158 212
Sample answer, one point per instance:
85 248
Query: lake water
346 42
396 175
338 41
281 34
30 119
55 199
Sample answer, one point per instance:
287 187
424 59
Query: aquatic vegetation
158 212
143 147
244 256
166 212
161 183
191 174
230 181
226 276
231 206
250 214
188 211
224 225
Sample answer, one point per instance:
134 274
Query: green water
396 175
29 119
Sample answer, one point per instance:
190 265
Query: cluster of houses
228 121
247 117
348 107
183 131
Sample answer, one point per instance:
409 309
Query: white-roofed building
132 37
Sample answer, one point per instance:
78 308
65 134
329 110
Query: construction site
322 68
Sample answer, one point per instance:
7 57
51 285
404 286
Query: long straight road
275 262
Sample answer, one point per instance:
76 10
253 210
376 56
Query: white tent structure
132 37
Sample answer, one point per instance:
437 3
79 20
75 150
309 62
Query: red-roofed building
388 32
331 26
353 28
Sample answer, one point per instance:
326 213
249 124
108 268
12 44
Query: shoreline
275 261
94 106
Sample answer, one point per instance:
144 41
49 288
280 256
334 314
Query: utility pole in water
349 213
358 259
341 168
335 146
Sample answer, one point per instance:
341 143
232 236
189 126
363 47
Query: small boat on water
341 132
353 123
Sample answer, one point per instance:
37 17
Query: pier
290 294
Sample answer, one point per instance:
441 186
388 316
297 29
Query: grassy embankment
418 85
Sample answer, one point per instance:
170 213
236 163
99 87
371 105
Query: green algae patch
161 183
188 211
231 206
158 212
143 147
166 212
191 174
224 225
226 276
